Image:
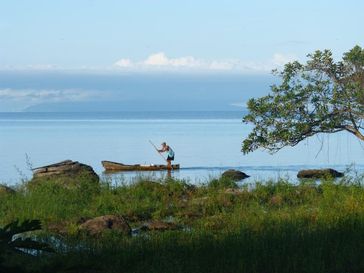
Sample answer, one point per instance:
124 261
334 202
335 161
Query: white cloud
30 67
124 63
37 96
188 61
42 67
281 59
157 59
222 65
160 61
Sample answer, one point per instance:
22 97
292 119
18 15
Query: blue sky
216 38
219 35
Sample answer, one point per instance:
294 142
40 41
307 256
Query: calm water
206 143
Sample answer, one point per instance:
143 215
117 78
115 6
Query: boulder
234 175
65 227
6 190
159 226
67 172
96 226
319 173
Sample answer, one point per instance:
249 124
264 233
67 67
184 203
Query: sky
160 36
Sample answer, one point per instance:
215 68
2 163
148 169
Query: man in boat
170 154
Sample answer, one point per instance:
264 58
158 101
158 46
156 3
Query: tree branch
354 131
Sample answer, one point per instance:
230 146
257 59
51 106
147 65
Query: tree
320 96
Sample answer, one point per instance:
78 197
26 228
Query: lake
205 143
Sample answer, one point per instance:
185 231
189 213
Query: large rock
319 173
67 172
6 190
98 225
234 175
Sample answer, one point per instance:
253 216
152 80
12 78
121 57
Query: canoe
114 166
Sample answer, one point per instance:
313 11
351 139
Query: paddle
155 147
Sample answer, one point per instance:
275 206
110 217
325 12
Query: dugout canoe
115 166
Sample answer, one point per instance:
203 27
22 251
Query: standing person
170 154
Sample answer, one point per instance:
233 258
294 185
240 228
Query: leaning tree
319 96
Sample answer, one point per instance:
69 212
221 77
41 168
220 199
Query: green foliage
320 96
14 245
268 226
222 183
47 201
282 249
9 244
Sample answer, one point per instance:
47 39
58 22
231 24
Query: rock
319 173
6 190
234 175
98 225
159 226
65 227
66 172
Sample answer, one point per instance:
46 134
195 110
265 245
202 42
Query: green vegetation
320 96
275 226
12 249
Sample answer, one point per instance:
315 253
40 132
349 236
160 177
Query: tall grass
270 226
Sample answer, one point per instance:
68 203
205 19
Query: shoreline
198 175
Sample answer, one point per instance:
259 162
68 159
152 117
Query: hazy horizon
63 92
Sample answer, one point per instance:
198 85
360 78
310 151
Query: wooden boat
114 166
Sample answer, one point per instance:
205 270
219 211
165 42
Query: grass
272 226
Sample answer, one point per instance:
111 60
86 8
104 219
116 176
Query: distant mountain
149 105
140 92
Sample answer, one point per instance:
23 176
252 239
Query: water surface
206 144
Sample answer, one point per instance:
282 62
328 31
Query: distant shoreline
126 115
